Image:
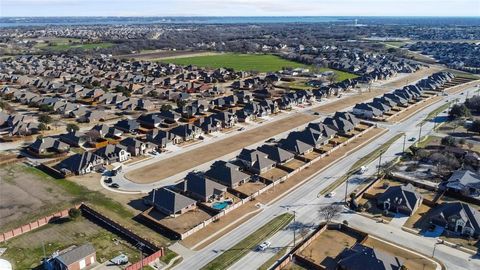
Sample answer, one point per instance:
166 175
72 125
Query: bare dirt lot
24 197
171 166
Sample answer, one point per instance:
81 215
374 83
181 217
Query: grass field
248 62
235 253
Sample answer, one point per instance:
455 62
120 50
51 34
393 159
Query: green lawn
249 62
235 253
87 46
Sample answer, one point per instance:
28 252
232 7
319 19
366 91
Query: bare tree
330 212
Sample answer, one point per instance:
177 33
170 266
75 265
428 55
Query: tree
475 127
330 212
165 107
45 108
72 128
45 118
181 103
74 213
473 103
449 141
42 126
459 111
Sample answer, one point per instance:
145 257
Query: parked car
263 246
412 139
331 194
108 180
114 185
271 140
241 129
201 138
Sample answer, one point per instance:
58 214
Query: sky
48 8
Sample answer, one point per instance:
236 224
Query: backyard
26 251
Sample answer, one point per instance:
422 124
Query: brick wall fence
140 264
34 225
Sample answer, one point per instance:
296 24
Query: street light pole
294 233
404 141
346 191
420 132
379 164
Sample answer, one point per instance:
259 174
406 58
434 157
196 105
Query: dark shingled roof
359 256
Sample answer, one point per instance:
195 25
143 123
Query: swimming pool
221 205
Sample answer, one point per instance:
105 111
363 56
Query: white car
263 246
331 194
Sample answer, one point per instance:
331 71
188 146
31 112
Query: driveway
399 220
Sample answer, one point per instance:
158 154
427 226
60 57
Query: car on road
271 140
316 113
114 185
412 139
362 170
108 180
263 246
331 194
241 129
201 138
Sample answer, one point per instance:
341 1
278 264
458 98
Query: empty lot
25 197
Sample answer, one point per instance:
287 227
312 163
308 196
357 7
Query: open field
184 161
25 197
31 184
26 251
230 256
246 62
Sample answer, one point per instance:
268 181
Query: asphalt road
305 202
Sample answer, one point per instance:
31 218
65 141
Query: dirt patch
24 197
250 187
328 245
182 223
184 161
274 174
294 164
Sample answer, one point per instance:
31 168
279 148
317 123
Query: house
276 153
186 132
359 256
402 199
48 145
309 136
340 125
105 130
113 153
73 258
255 161
326 131
79 164
150 120
295 145
127 125
197 186
136 147
457 217
227 174
161 138
366 110
75 139
465 182
170 202
227 119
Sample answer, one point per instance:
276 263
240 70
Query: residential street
304 202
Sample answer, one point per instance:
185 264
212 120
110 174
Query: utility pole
346 191
294 235
379 164
404 141
420 132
